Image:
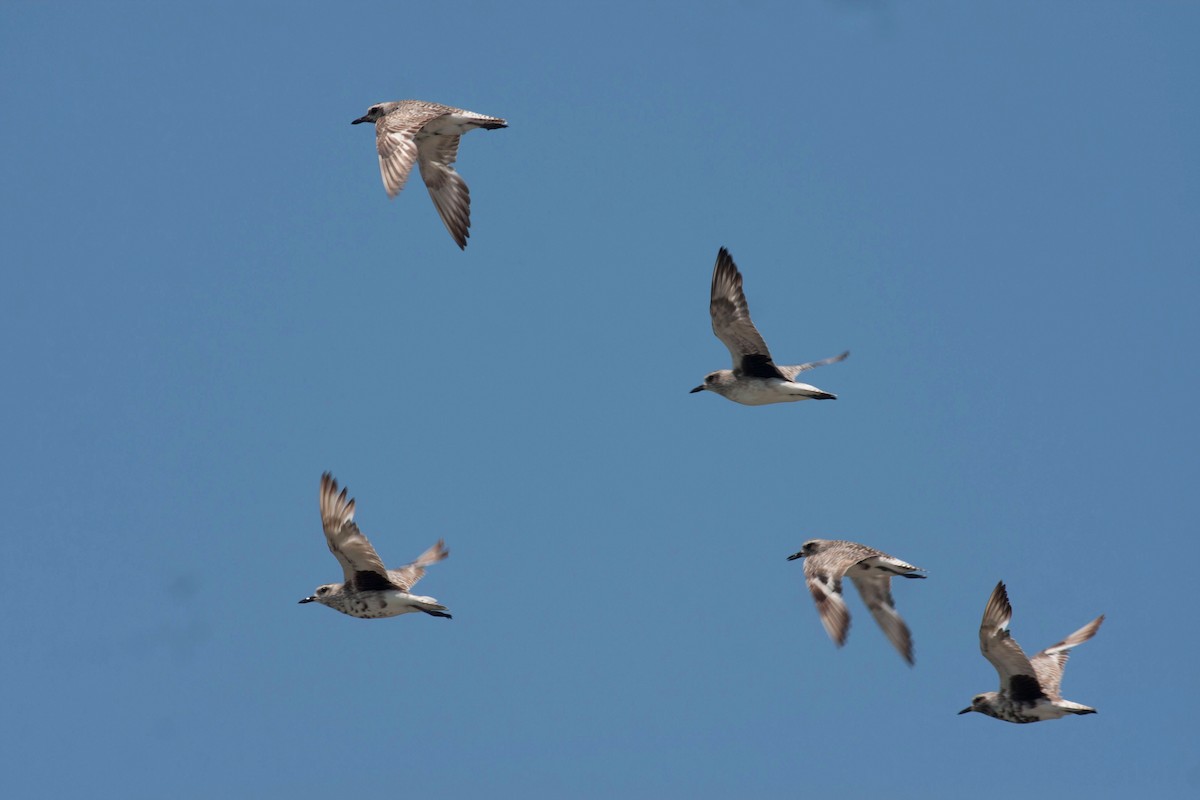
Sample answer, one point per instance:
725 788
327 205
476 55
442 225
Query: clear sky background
209 300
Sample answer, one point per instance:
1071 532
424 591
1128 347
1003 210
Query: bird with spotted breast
1029 687
755 379
369 590
871 571
411 132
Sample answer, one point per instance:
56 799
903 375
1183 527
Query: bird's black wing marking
1024 689
757 365
367 581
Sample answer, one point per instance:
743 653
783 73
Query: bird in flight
369 590
755 379
427 134
1029 687
871 571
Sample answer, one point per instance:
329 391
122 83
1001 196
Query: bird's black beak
966 710
360 119
309 599
794 556
699 388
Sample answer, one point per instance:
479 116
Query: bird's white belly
390 603
764 392
1046 711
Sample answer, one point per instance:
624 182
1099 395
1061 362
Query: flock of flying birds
427 134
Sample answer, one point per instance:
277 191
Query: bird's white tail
429 605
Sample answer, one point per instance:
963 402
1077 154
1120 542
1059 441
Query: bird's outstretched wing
361 565
790 372
1050 663
876 590
407 576
731 321
449 191
1017 676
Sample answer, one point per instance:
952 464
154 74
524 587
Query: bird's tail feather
430 606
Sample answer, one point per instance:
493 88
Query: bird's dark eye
323 590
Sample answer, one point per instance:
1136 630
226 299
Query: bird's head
374 112
981 703
809 548
713 381
323 594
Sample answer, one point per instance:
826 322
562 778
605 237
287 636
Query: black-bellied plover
370 590
413 131
755 379
1029 687
871 571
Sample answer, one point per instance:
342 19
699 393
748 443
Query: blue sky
210 300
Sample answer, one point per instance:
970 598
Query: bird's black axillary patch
367 581
1024 689
757 365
